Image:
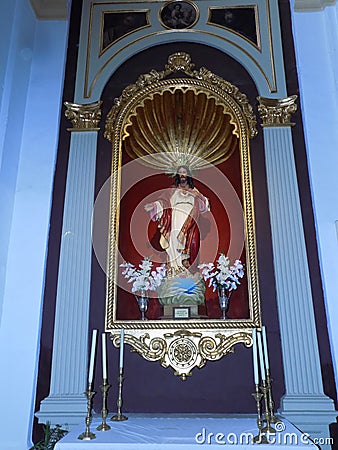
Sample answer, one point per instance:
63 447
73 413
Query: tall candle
104 356
255 355
92 357
265 348
121 347
261 357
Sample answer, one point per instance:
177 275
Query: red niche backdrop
221 230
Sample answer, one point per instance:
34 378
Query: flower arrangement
223 274
143 277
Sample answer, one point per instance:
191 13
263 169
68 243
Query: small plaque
181 312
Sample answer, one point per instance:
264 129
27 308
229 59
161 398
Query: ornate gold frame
183 344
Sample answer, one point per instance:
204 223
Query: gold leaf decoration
180 126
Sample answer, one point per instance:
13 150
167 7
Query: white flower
143 278
223 261
223 274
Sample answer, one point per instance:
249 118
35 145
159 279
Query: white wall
32 56
316 40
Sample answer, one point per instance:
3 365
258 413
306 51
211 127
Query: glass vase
223 299
142 301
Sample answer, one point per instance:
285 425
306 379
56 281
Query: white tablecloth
182 433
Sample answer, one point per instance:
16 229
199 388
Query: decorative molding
277 112
312 5
184 350
50 9
180 62
84 117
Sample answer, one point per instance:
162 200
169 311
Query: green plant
51 436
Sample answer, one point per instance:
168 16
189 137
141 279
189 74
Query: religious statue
177 215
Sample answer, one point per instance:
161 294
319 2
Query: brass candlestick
104 412
268 428
119 416
273 418
87 435
260 438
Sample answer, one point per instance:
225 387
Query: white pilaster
66 403
304 402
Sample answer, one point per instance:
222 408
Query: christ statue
177 215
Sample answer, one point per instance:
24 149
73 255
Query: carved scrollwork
184 350
153 350
211 349
180 62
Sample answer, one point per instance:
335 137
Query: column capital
84 117
276 112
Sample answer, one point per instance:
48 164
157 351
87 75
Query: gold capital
276 112
84 117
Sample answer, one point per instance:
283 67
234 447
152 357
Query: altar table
183 433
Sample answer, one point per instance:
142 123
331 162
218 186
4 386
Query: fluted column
66 403
304 400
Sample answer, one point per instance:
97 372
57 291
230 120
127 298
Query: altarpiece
169 118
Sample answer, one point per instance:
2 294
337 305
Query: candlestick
92 357
273 418
261 358
260 438
87 435
104 412
104 357
255 355
119 416
268 428
121 347
265 348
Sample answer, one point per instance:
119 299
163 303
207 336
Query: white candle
265 348
261 357
92 357
121 347
104 356
255 355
